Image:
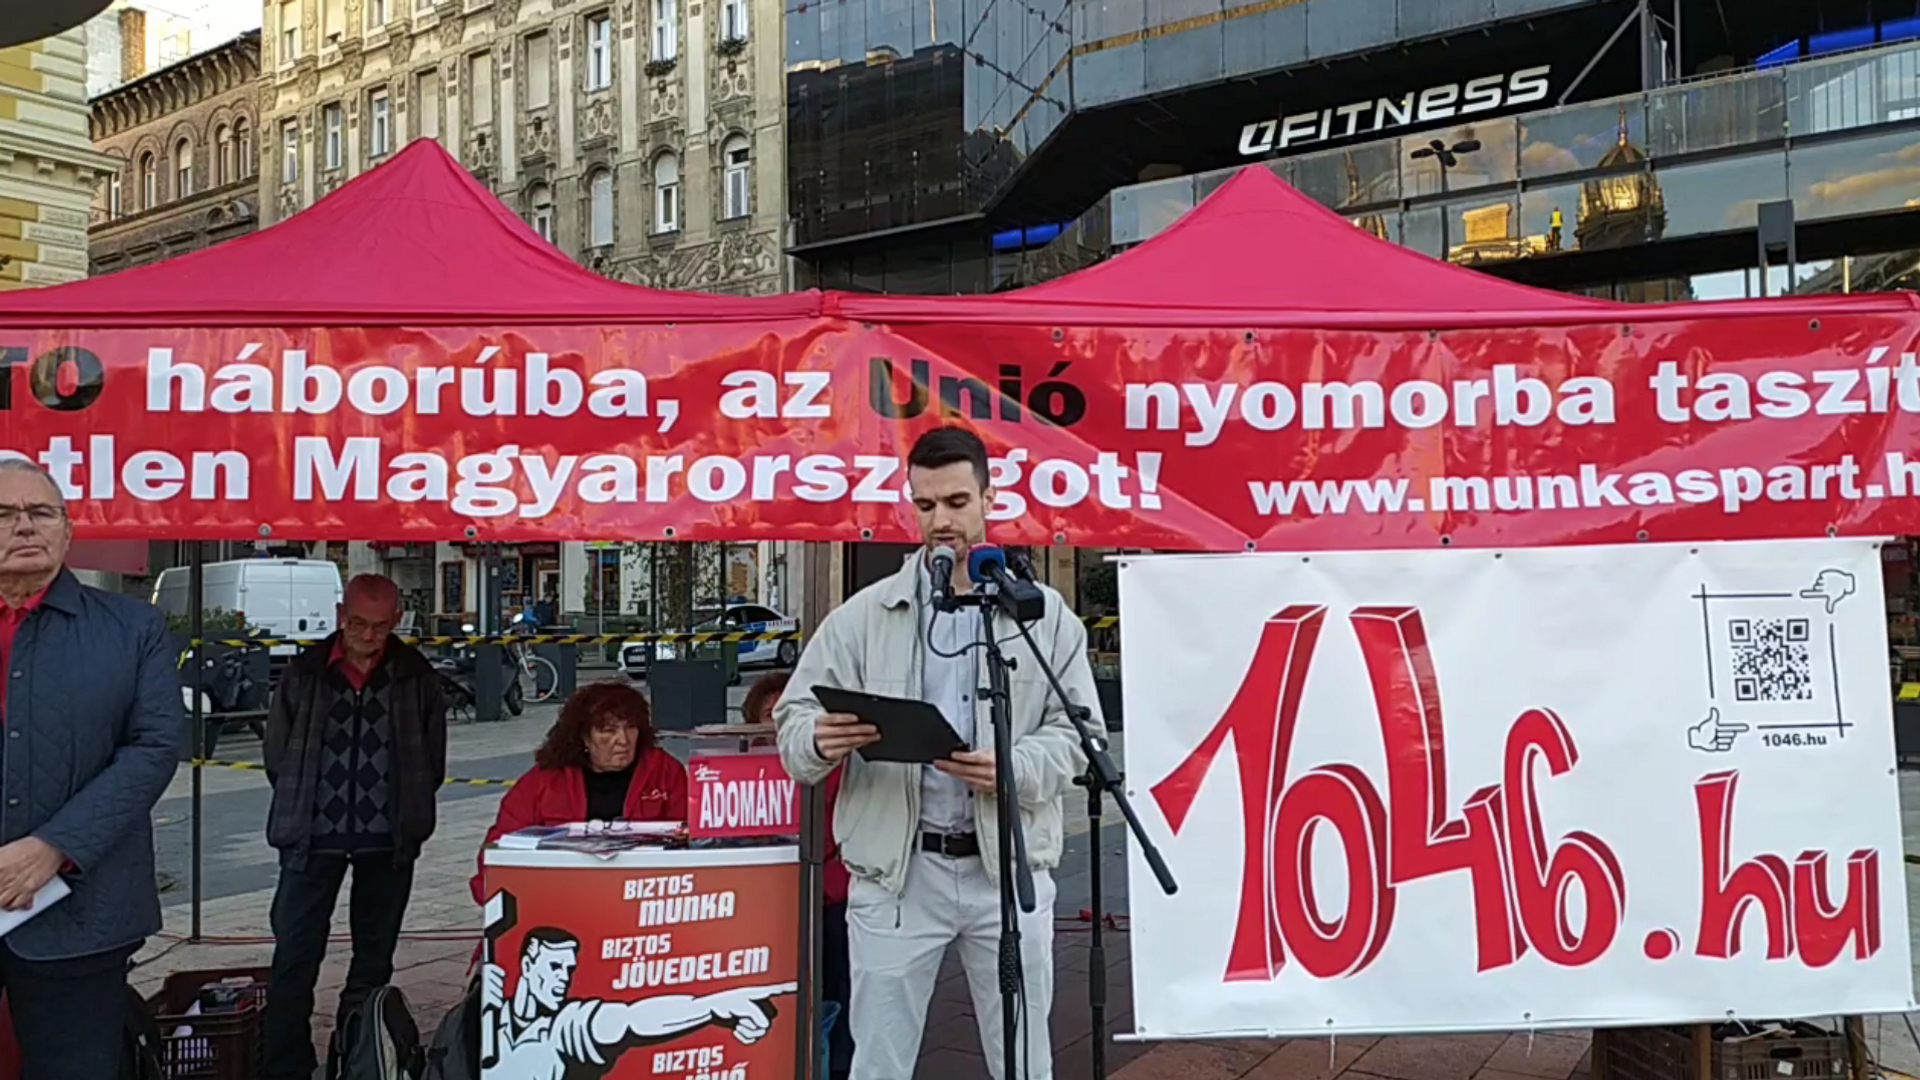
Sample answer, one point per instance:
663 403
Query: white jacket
874 643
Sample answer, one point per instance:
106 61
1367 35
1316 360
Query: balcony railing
1711 150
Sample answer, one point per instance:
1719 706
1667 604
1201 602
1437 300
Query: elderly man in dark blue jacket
91 710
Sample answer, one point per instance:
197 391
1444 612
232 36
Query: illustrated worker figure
920 842
356 749
544 1035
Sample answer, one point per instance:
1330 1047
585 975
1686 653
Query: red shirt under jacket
11 619
356 678
559 797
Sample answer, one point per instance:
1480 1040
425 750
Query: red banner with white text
1170 439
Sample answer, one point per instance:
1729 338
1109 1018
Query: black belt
952 845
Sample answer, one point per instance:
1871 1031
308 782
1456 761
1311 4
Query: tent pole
196 629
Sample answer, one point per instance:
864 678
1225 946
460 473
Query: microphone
987 565
942 563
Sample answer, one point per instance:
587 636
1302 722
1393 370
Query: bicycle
538 678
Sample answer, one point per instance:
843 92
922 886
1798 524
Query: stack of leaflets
605 838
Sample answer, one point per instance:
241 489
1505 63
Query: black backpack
140 1043
454 1053
376 1041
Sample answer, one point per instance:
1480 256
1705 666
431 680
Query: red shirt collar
20 612
339 655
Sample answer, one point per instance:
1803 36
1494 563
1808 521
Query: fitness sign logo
1523 886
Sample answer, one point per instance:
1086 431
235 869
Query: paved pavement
431 967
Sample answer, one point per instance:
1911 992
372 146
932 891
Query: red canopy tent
414 242
1258 252
408 360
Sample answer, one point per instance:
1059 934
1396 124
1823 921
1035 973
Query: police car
732 619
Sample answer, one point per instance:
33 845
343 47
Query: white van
281 598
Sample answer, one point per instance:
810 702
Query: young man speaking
921 841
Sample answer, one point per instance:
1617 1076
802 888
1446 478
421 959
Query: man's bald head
368 613
374 588
24 467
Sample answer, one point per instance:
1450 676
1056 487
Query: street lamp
1447 157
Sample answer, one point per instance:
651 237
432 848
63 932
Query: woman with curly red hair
598 763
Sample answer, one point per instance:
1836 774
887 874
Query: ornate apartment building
184 139
642 137
48 168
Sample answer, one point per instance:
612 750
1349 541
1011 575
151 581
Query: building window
599 51
223 172
480 81
182 169
666 30
733 20
422 6
426 104
600 209
290 152
376 14
382 137
242 148
539 69
289 33
540 211
113 195
149 182
333 25
334 123
737 178
666 194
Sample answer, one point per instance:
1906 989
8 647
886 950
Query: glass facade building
916 114
1632 178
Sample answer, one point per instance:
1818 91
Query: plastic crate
222 1045
1807 1054
1799 1051
1646 1053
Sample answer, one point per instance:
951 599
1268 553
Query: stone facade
643 137
47 166
185 140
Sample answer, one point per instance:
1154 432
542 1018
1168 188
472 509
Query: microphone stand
1102 777
1016 876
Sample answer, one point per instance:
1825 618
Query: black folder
912 732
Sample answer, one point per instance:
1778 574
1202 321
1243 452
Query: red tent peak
413 241
1258 243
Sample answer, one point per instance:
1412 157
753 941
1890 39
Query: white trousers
895 946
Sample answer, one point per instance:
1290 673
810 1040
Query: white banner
1473 790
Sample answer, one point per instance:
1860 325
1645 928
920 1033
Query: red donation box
741 793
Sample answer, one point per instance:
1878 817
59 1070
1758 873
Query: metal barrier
1103 622
250 766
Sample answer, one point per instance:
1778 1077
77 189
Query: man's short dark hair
950 445
547 937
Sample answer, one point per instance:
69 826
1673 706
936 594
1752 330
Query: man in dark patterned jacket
356 749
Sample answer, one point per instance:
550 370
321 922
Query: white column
575 560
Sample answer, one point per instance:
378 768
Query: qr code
1771 659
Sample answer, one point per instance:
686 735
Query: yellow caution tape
529 639
1099 623
249 766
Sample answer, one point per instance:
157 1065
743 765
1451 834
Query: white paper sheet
50 894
